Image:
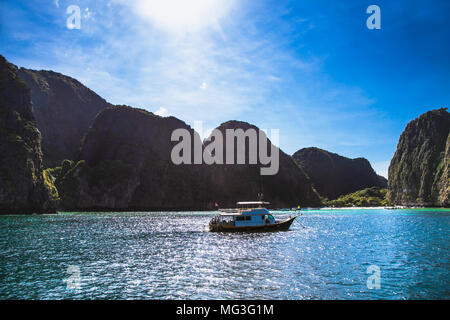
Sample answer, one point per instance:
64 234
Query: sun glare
183 15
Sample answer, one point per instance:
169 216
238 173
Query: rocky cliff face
419 170
242 182
64 109
126 164
333 175
22 186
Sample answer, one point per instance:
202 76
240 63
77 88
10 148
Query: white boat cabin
252 213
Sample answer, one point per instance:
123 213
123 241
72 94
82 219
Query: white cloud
57 3
203 86
273 78
161 112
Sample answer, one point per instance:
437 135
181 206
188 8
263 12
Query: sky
311 69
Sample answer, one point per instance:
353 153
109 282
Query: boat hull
278 226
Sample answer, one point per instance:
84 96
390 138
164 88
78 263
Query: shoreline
377 208
276 211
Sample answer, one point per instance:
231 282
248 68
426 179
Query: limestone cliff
22 185
125 163
64 109
333 175
419 170
289 187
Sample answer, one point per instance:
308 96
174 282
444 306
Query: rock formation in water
242 182
125 164
64 109
419 170
22 185
333 175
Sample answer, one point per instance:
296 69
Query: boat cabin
252 213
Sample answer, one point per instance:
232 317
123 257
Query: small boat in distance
290 209
248 216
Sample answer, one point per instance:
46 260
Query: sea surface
167 255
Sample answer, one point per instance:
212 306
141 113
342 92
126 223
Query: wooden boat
249 216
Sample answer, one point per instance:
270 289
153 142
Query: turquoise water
325 255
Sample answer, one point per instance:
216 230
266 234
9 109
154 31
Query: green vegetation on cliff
74 182
49 181
23 188
370 197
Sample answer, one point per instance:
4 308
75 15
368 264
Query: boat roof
242 213
239 212
251 202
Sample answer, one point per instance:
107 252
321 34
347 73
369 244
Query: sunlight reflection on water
171 256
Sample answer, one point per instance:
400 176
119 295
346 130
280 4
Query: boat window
243 218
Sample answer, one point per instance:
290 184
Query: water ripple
165 255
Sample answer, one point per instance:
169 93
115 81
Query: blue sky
311 69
